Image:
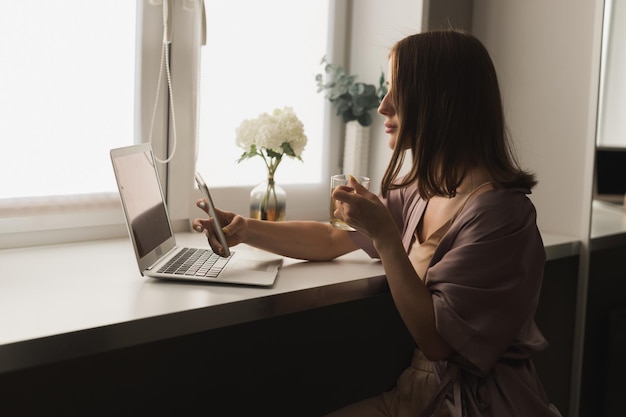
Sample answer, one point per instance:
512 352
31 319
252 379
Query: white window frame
40 221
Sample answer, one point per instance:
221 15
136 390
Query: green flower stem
272 164
270 191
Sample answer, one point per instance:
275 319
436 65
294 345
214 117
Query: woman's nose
386 107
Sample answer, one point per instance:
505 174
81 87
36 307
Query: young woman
456 235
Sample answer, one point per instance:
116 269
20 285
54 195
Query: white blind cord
198 79
164 59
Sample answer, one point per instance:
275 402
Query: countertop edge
74 345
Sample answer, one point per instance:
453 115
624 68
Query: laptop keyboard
195 262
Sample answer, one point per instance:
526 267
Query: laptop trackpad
252 265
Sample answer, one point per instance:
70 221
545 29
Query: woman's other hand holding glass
364 211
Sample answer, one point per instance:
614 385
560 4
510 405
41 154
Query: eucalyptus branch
354 100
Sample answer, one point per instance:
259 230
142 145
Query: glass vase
268 201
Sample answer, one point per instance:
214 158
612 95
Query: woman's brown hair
449 107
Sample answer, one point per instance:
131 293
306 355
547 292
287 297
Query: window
77 87
67 97
67 94
252 67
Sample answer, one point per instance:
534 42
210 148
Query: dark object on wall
610 181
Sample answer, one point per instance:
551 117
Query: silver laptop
150 231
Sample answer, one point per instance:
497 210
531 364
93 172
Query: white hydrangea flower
272 136
246 134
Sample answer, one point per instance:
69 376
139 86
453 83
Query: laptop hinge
160 258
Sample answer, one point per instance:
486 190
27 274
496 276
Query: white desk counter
89 298
608 226
559 246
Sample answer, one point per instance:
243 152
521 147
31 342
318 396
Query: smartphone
216 222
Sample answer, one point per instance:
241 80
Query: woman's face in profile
388 110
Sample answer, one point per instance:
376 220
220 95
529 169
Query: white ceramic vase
356 149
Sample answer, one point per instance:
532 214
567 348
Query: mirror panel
612 109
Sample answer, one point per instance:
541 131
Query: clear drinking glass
335 181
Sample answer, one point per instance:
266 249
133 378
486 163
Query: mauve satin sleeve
400 203
486 276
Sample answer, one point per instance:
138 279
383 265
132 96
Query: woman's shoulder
501 219
501 207
503 197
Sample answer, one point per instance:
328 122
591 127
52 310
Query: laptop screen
143 202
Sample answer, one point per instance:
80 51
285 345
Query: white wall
547 58
376 26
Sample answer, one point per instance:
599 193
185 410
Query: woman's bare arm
310 240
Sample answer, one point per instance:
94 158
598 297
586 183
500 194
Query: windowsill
32 222
91 298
